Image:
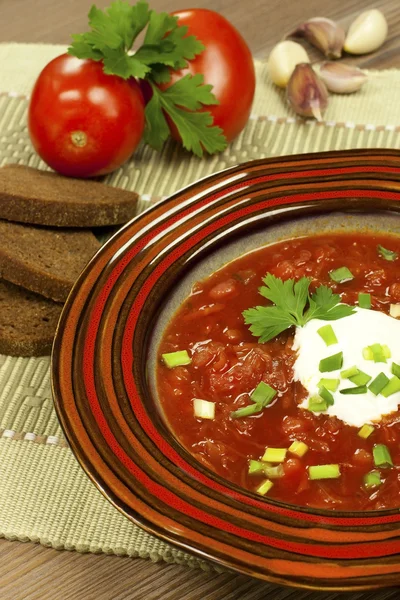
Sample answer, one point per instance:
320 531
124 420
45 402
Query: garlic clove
306 92
324 34
283 59
367 33
341 78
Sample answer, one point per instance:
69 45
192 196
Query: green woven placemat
44 495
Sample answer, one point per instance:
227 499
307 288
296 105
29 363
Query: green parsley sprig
293 305
166 47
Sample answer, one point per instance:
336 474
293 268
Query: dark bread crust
43 260
27 322
29 195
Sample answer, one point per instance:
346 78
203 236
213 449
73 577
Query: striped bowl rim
110 417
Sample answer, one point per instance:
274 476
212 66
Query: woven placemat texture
44 495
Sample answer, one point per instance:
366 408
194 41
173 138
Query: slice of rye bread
27 321
37 197
43 260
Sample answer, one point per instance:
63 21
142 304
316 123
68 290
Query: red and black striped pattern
111 419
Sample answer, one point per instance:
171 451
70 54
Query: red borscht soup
292 391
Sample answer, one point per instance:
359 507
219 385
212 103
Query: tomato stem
79 139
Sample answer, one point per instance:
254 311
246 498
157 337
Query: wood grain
32 572
261 22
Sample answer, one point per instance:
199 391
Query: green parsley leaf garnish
194 127
386 254
166 47
293 305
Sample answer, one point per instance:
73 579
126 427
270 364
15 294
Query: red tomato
81 121
226 64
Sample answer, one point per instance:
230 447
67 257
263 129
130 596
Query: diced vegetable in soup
281 372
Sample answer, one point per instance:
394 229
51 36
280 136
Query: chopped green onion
256 467
176 359
372 479
361 378
264 487
341 275
329 384
203 409
274 455
386 254
324 472
392 387
396 369
378 383
274 471
347 373
359 389
326 396
364 300
376 352
316 404
367 353
331 363
386 351
382 456
246 411
298 448
366 431
263 394
379 355
328 335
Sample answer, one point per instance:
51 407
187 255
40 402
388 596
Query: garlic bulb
283 59
366 33
341 78
306 92
324 34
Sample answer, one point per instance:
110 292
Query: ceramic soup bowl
105 358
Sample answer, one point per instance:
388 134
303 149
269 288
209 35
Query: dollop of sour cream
363 328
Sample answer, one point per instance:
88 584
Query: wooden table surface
32 572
